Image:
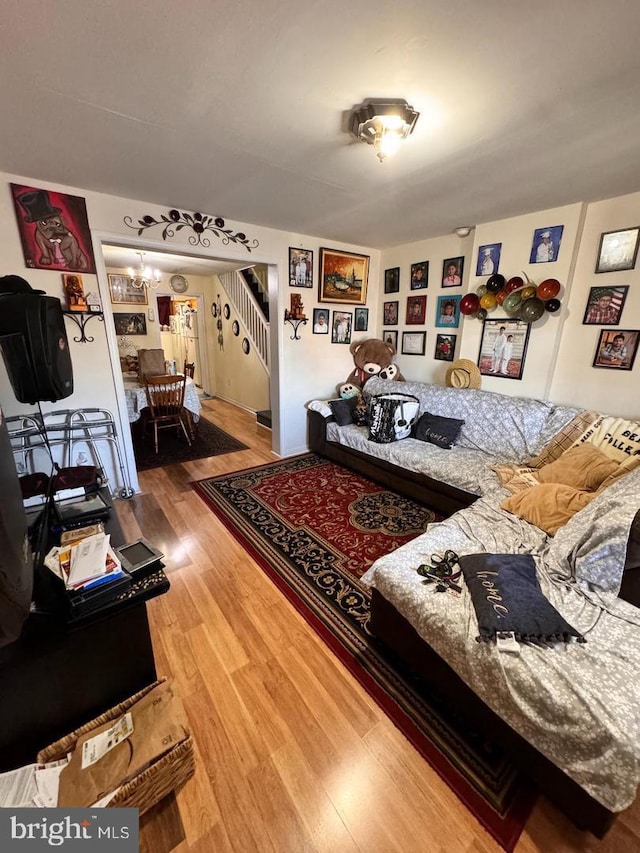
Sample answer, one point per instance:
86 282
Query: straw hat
463 374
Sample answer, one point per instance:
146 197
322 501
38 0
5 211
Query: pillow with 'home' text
438 430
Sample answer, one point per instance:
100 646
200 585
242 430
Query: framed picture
122 291
616 349
300 267
362 319
130 324
604 306
54 230
390 313
618 250
416 310
390 336
343 277
414 343
448 312
392 280
341 327
74 291
546 244
503 348
488 259
445 347
320 321
452 269
420 275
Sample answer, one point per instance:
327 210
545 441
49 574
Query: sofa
568 711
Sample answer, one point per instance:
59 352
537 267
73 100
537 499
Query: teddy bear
371 357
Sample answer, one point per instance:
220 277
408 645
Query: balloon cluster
519 298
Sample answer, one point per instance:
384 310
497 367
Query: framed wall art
341 327
503 348
390 336
546 244
343 277
419 275
604 306
448 312
130 324
618 250
361 319
488 259
445 347
122 291
616 349
320 321
416 310
300 267
390 313
414 343
452 269
392 280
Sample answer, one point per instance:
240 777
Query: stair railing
249 312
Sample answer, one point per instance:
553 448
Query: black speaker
34 347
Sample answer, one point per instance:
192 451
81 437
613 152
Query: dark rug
315 528
210 440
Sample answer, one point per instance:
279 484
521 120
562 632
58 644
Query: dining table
136 397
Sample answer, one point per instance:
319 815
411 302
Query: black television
16 558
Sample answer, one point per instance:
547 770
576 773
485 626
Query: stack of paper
86 560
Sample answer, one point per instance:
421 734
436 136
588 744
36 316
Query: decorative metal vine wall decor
176 220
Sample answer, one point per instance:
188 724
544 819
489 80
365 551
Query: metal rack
66 428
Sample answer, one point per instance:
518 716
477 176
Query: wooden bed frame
398 634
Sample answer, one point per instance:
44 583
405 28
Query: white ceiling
123 257
237 109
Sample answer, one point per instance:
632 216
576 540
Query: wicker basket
166 774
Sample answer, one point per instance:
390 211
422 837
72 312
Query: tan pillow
549 505
617 438
583 467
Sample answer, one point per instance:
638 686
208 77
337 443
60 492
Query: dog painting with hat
54 230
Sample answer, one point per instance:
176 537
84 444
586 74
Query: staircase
259 288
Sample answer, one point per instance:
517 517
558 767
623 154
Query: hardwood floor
292 754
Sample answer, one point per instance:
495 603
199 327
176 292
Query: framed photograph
392 280
546 244
616 349
503 348
390 313
74 291
320 321
445 347
362 320
618 250
130 324
448 312
343 277
452 269
420 275
414 343
416 310
390 336
604 306
341 327
122 291
300 267
54 230
488 259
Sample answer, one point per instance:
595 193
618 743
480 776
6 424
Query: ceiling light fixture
463 231
383 124
145 276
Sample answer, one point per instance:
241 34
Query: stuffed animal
372 357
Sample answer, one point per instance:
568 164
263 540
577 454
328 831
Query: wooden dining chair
165 399
189 369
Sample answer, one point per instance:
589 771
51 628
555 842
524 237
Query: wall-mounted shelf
81 318
296 323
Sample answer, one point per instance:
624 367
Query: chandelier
383 124
144 276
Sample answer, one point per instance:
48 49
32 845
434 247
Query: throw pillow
549 505
342 410
617 438
437 430
583 467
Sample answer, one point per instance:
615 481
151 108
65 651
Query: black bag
391 417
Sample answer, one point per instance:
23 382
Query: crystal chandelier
144 276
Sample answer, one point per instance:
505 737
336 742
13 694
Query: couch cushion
548 505
583 467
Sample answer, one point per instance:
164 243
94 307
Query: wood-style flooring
292 754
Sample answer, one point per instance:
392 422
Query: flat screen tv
16 560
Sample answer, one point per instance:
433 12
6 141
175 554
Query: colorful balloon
495 282
528 291
481 290
552 305
512 302
548 289
482 314
469 304
501 295
532 309
488 301
514 283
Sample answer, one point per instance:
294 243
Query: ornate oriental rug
315 528
209 440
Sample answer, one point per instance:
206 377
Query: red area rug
315 528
